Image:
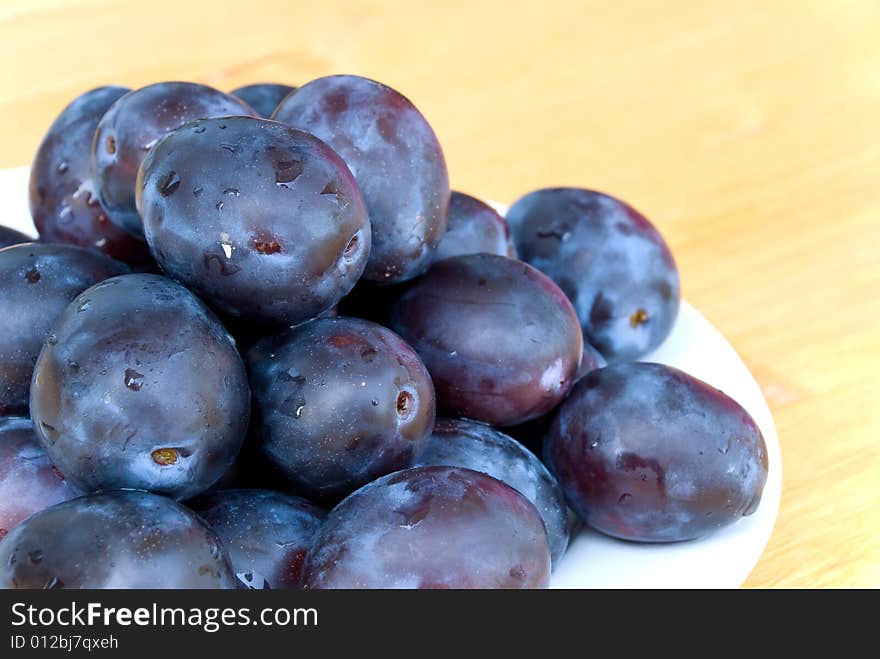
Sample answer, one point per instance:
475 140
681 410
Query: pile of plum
280 353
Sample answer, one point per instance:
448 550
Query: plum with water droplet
473 227
338 402
609 260
263 97
265 222
37 282
646 452
118 539
395 157
501 341
28 481
463 443
130 128
140 386
267 533
63 199
431 527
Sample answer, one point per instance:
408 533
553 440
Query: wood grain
749 131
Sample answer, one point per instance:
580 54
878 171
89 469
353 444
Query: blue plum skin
116 539
10 237
648 453
140 386
263 221
463 443
608 259
396 159
473 227
63 197
28 481
266 533
130 128
38 282
430 528
263 97
338 402
501 341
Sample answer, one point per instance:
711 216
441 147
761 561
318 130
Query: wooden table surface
748 131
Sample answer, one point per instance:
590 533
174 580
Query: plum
649 453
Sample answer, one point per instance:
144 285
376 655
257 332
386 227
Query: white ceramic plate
722 560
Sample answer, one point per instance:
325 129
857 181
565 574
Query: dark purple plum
140 386
500 339
121 539
649 453
611 262
267 534
10 236
63 199
431 527
263 221
263 97
130 128
473 227
396 159
28 482
37 282
338 402
462 443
